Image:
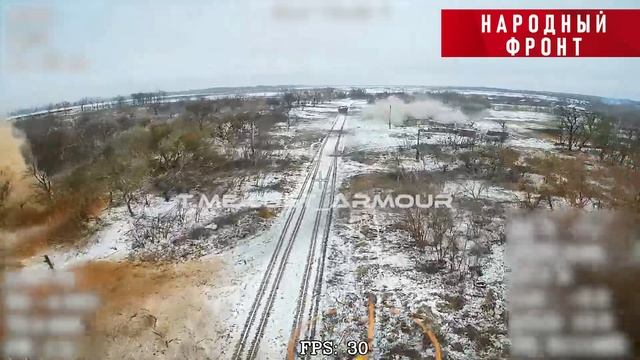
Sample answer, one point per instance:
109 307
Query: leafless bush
432 228
159 228
415 223
457 141
473 189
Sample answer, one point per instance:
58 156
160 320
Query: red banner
541 33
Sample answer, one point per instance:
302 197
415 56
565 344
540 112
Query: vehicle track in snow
326 202
264 300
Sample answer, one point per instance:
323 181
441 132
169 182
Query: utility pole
253 136
389 117
418 146
421 129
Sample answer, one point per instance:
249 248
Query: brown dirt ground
148 310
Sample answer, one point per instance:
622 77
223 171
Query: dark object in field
480 284
497 135
343 109
466 133
48 261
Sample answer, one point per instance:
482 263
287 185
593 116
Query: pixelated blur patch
331 10
573 285
43 314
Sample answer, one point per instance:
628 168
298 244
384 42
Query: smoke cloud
12 164
421 109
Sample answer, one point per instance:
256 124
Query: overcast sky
53 50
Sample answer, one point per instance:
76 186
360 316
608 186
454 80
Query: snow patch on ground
531 143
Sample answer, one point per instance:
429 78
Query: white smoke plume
421 109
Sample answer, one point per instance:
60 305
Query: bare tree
289 99
578 128
157 99
201 110
42 178
473 189
120 101
570 126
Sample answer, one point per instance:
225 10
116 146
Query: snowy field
366 251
